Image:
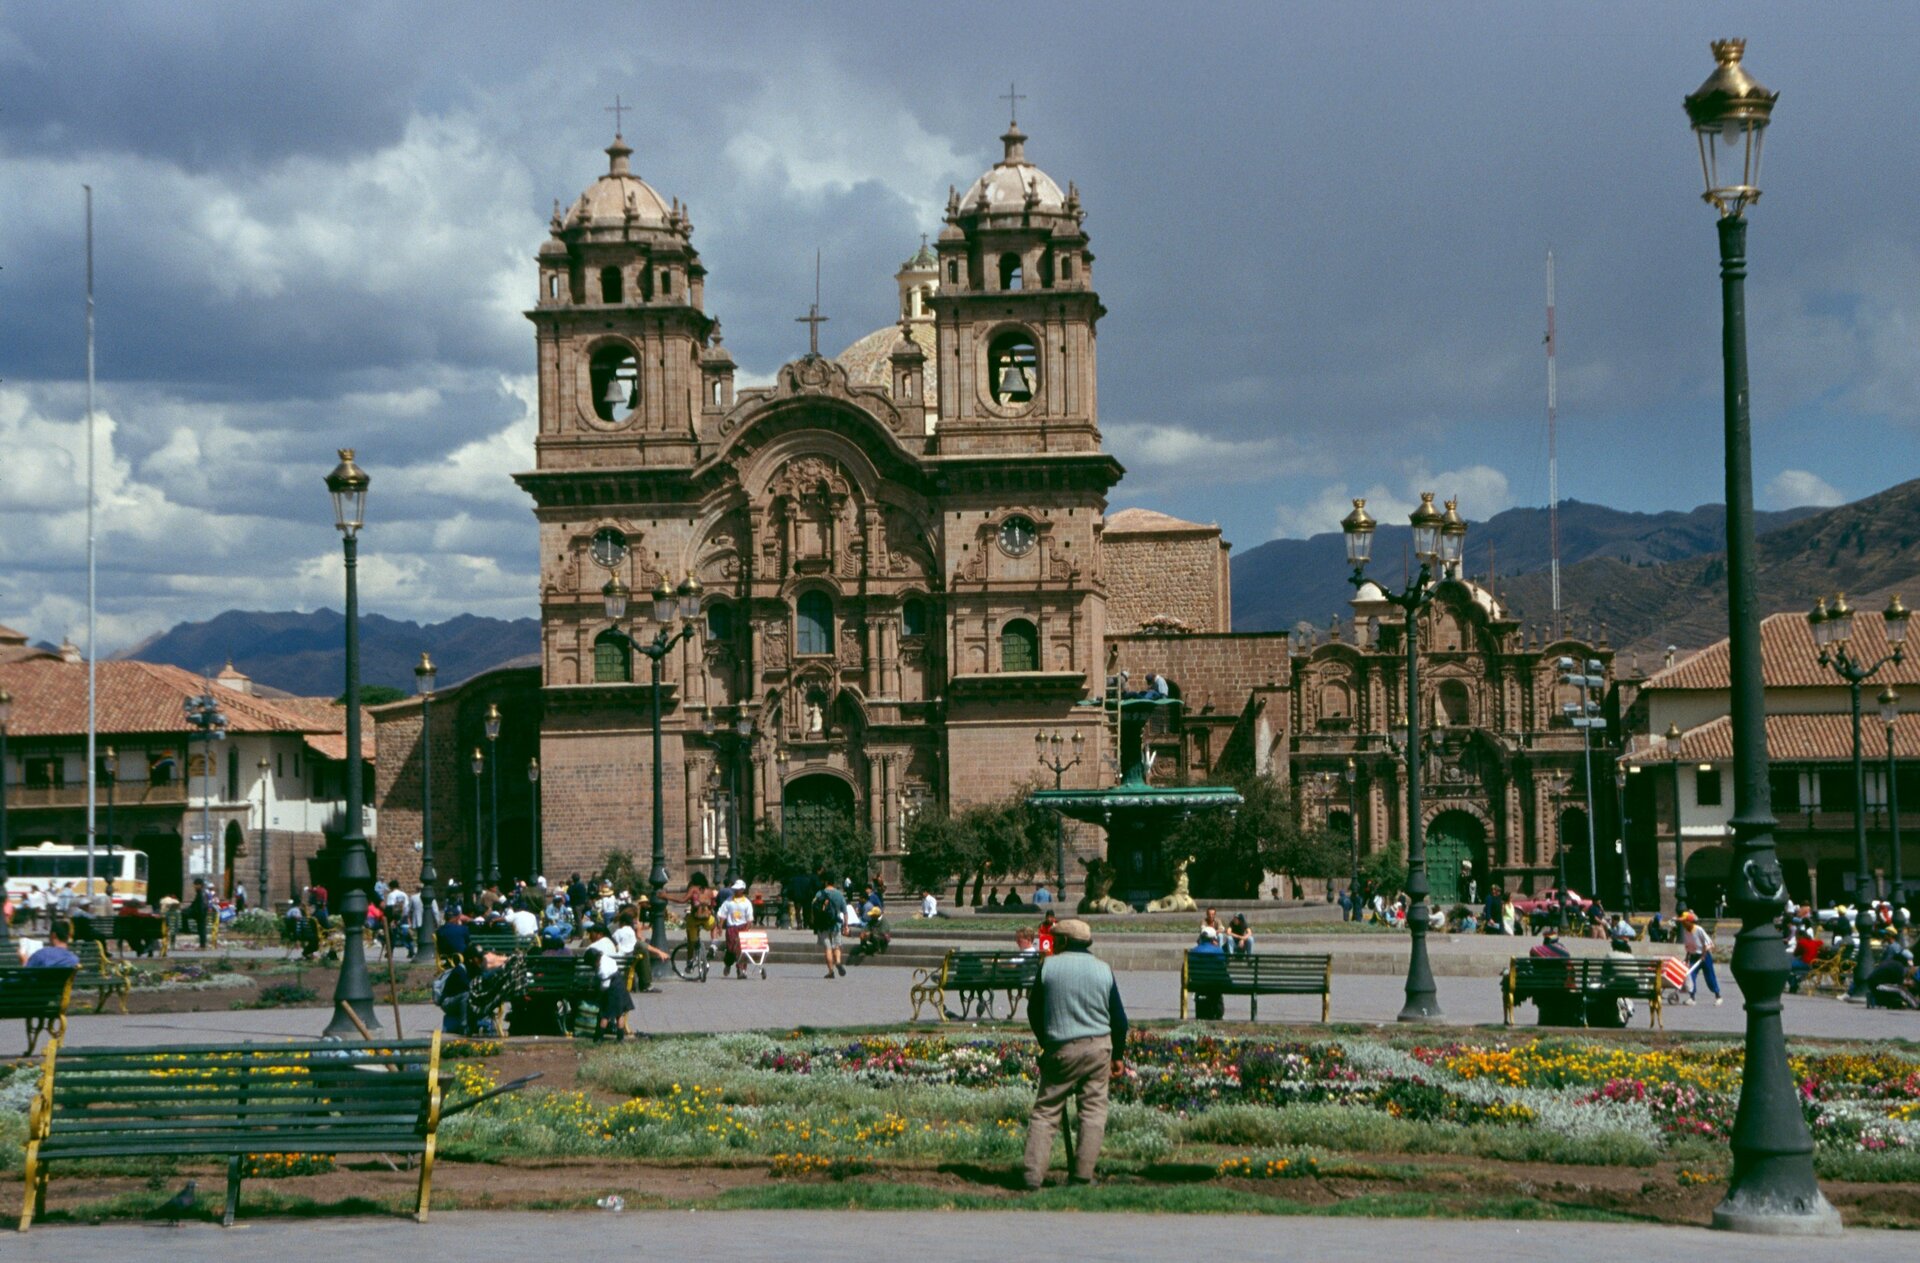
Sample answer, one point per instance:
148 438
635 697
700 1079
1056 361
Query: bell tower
625 370
1015 314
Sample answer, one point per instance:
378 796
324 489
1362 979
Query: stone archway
1456 856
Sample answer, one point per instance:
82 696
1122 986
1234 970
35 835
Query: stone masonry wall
1173 574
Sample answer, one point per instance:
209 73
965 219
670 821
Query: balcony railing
125 794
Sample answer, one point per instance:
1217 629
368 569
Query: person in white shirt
736 914
626 940
524 923
929 906
615 1003
1698 945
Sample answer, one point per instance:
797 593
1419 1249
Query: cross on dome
616 109
1013 97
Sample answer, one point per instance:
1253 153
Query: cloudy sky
1321 231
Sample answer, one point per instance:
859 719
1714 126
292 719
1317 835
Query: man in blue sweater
1076 1014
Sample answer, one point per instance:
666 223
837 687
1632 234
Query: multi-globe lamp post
1052 755
353 1008
1890 716
1832 626
1772 1188
667 602
1439 541
423 679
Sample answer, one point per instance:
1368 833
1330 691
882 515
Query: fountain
1137 816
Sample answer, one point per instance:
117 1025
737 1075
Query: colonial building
251 808
1687 784
1503 769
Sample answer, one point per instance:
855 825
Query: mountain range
302 653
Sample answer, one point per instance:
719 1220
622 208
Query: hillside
1868 549
1284 581
304 653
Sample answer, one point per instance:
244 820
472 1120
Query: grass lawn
1240 1120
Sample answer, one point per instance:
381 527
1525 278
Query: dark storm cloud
1320 232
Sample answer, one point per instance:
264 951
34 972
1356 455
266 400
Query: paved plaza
797 994
932 1237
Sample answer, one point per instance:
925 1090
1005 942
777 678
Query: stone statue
816 718
1099 883
1180 900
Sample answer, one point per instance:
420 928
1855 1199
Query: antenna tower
1553 453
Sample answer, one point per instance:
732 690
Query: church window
913 618
1066 268
610 285
612 659
614 378
719 622
813 623
953 271
1019 646
1014 364
1336 703
553 287
646 281
1046 270
666 281
1010 277
1456 707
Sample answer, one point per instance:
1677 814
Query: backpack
440 987
822 917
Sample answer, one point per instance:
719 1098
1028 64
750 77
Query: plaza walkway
930 1237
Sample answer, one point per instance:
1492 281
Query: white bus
54 866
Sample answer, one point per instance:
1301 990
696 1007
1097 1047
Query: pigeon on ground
179 1206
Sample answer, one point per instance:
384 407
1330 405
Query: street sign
202 837
1669 882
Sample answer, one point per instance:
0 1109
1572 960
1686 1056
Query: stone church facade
905 566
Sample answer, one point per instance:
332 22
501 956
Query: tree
989 842
1233 851
838 843
374 695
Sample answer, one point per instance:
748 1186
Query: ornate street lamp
1772 1189
6 930
266 803
353 1007
1833 637
1352 776
668 602
203 714
1890 716
1672 748
1620 816
1439 544
533 783
423 678
478 873
1052 755
110 763
493 795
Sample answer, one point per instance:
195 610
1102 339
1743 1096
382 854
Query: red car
1548 901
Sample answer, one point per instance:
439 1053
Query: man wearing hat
736 914
1075 1011
1698 945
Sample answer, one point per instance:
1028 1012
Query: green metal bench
499 942
101 974
39 997
976 977
1253 976
1571 991
234 1101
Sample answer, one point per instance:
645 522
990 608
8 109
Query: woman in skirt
615 1003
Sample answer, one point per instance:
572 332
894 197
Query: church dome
1008 185
869 362
617 199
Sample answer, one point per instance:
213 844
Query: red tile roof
1789 659
50 700
1797 738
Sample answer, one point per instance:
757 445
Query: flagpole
93 762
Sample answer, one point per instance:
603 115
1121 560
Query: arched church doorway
1707 870
1456 857
1575 844
819 824
233 841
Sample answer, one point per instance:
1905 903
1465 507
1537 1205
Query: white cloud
1796 488
1481 490
1176 448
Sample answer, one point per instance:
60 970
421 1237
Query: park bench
234 1101
100 973
1255 976
976 977
1582 990
140 931
176 923
39 997
488 994
499 942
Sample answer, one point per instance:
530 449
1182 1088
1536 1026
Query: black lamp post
1053 757
1352 777
423 678
1890 716
478 873
1674 742
738 787
266 803
493 795
1560 784
110 762
1438 541
533 782
1833 636
353 862
1620 817
1772 1189
205 716
615 594
6 929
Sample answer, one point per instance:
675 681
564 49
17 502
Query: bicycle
690 961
